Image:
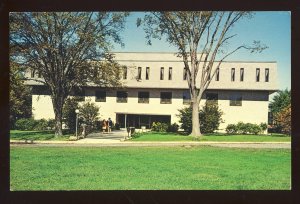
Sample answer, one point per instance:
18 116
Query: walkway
115 136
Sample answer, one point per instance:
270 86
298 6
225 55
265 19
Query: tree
190 32
89 112
283 119
69 114
68 49
280 101
19 96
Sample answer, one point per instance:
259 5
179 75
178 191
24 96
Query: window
232 74
147 73
257 74
122 96
170 73
161 73
235 99
242 74
124 72
165 97
39 75
143 97
80 94
217 74
212 97
32 73
208 78
267 75
184 73
139 76
100 96
186 96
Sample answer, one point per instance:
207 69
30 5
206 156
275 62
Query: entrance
138 120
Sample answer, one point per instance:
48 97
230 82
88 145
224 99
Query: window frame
101 99
242 73
139 74
124 72
162 73
165 100
236 99
184 73
217 74
143 99
170 73
147 73
257 75
186 100
232 74
121 99
267 74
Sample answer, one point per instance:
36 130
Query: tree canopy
68 50
200 37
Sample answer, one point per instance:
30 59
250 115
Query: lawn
142 168
35 135
152 136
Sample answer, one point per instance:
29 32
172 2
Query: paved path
116 139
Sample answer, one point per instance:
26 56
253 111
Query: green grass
152 136
141 168
35 135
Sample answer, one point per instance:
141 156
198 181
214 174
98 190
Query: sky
272 28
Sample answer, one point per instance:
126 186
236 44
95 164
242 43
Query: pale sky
272 28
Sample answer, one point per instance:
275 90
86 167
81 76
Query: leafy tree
210 118
89 112
190 32
19 96
280 101
68 50
283 119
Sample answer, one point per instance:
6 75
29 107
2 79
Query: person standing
109 122
104 125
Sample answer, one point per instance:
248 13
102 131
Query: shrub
159 127
173 128
231 129
283 120
210 117
263 126
25 124
41 124
69 115
89 112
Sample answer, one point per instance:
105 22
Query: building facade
156 87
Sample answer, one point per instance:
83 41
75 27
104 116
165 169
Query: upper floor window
212 97
122 96
257 74
143 97
165 97
170 73
100 96
242 74
161 73
124 72
184 73
235 99
232 74
139 76
186 96
218 74
267 75
32 73
147 73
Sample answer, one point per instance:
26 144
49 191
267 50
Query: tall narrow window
32 73
122 96
124 72
170 73
161 73
208 76
39 75
147 73
217 74
184 73
257 74
267 75
139 76
100 96
232 74
242 74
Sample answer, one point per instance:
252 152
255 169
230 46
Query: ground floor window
100 96
166 97
143 97
235 99
122 96
137 121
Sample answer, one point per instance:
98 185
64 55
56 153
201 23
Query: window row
166 97
185 74
257 74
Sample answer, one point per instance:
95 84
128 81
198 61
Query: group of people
107 125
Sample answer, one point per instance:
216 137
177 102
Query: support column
125 120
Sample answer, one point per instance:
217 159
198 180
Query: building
156 88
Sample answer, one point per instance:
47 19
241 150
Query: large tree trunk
57 107
196 133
